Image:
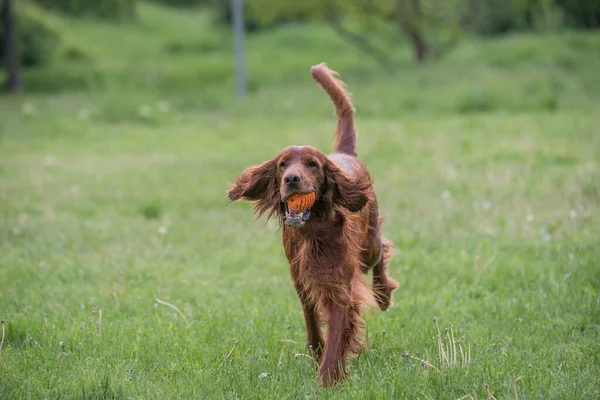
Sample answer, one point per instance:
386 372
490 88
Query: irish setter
333 243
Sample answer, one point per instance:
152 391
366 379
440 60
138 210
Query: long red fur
340 242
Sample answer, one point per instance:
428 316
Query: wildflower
28 109
163 106
83 113
145 111
573 214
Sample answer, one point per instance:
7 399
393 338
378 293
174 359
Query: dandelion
162 230
83 113
163 106
145 111
445 195
529 218
573 214
28 109
49 160
289 104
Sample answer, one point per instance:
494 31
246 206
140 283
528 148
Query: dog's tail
345 135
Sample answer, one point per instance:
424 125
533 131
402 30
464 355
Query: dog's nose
292 180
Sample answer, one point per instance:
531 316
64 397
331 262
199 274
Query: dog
333 243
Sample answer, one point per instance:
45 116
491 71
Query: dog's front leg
314 339
334 361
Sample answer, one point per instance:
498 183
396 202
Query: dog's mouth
296 219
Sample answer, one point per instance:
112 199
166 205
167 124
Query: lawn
125 273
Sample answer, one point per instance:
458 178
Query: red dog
330 245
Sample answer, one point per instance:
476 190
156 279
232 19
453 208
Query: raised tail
345 135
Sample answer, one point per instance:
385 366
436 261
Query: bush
116 10
255 17
188 3
581 13
37 35
494 17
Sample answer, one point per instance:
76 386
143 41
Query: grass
125 274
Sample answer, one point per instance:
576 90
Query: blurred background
185 47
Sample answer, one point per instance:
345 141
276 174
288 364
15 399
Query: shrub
495 17
255 17
501 16
581 13
116 10
188 3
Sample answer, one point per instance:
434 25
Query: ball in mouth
298 208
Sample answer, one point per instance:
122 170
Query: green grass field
124 272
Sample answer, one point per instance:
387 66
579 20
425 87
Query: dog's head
299 169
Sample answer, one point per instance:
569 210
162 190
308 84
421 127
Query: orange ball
301 201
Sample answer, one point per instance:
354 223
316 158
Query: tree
409 16
334 17
11 55
432 27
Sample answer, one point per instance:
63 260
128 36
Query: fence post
237 9
11 54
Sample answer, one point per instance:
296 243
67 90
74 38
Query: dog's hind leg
383 284
377 254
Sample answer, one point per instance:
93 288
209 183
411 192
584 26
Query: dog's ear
254 183
259 185
340 189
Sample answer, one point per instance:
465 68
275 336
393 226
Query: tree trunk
418 43
408 14
11 55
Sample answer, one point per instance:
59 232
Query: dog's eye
282 165
312 164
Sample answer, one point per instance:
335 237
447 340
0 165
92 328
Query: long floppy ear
351 193
259 185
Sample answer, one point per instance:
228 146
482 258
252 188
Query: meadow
125 273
